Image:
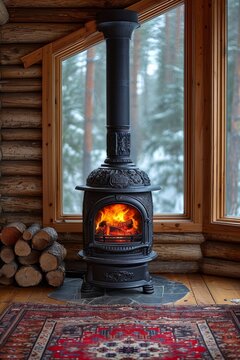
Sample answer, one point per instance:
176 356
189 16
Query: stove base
117 277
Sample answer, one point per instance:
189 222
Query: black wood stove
117 205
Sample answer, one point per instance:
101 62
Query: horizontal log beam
221 267
11 54
25 168
184 252
21 204
46 15
19 72
177 267
20 118
67 3
19 85
224 236
178 238
221 250
35 32
21 134
19 100
22 150
26 218
20 186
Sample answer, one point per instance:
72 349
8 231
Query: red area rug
85 332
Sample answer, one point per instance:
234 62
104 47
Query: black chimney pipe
117 27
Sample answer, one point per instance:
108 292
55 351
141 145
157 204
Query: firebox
117 204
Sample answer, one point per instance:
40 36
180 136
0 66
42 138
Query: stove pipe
117 27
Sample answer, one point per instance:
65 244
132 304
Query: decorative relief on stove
119 143
118 178
119 276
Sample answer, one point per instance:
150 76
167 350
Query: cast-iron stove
117 205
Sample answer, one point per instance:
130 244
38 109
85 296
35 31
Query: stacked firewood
30 255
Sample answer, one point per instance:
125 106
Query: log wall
21 147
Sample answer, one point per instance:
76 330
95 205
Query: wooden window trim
216 222
51 54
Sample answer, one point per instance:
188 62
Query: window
157 112
232 202
164 115
223 209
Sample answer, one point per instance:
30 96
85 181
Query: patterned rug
85 332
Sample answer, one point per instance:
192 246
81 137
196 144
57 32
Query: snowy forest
233 110
157 112
156 102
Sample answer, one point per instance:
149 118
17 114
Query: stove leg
89 290
148 289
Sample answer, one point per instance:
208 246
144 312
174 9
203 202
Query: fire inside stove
119 223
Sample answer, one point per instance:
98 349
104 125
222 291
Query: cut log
4 16
52 257
12 232
28 276
9 270
44 238
56 277
6 281
22 248
31 231
7 254
31 259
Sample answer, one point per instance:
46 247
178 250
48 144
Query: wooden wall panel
21 116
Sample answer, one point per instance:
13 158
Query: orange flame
118 220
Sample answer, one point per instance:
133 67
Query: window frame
216 221
52 54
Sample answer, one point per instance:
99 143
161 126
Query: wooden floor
204 290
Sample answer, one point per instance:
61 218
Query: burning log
117 229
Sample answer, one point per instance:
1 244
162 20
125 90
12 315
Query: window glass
233 110
157 112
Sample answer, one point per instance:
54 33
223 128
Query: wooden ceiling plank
69 3
47 15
